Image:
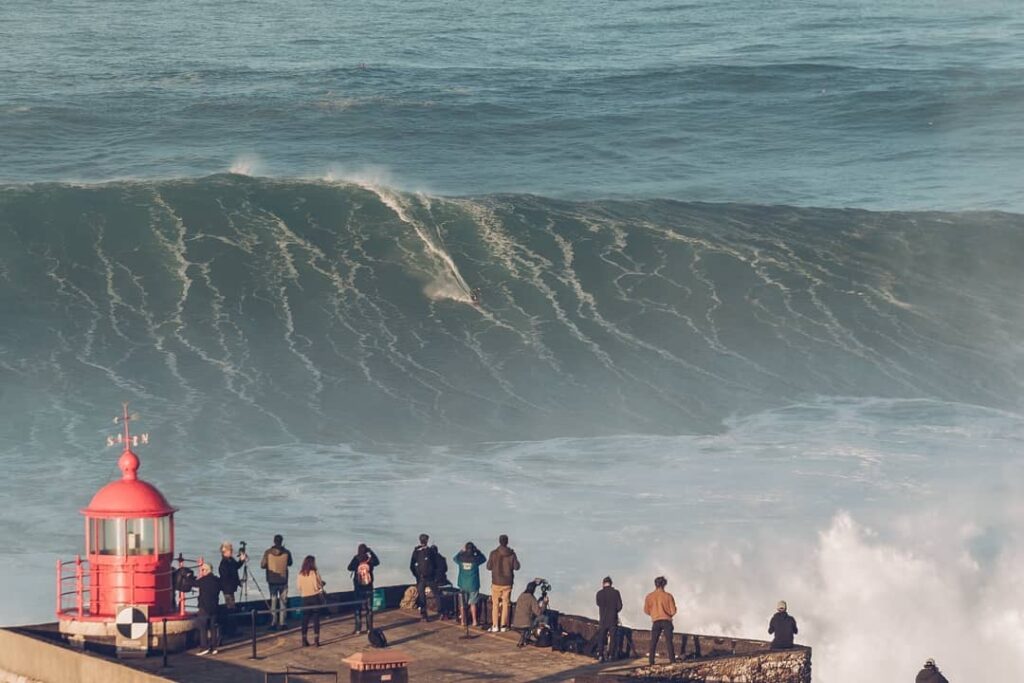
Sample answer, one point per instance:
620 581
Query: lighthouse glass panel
140 536
163 533
110 539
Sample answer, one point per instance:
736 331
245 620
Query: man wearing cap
930 674
784 628
660 606
609 604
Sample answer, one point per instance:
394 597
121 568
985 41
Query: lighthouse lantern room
129 553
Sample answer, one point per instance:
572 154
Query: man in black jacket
424 566
609 604
209 597
930 674
783 626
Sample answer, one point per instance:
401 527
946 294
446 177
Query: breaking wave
334 311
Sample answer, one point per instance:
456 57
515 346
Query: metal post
163 641
78 584
59 587
252 631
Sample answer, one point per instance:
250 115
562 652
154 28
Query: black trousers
421 594
311 608
662 626
363 594
209 631
599 642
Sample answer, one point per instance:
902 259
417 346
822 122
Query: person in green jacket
468 561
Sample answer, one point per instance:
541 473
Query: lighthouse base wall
84 634
30 658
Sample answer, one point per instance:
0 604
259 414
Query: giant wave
286 311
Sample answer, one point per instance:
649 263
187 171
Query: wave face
246 312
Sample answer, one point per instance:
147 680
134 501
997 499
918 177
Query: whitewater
750 283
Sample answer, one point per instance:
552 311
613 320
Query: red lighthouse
127 573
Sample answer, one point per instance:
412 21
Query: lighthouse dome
129 496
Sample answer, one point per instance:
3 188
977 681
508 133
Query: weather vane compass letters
125 437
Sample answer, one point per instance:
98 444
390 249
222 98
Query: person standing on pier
209 597
503 565
276 561
660 606
311 589
361 566
228 572
609 604
424 566
468 560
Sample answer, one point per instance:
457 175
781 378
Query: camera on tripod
241 549
545 588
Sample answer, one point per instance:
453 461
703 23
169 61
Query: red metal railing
75 578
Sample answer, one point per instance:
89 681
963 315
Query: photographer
228 571
529 611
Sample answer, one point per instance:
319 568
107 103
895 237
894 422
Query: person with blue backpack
361 566
468 561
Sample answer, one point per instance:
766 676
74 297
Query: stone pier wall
785 666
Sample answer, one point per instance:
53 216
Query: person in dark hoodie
609 604
783 627
424 566
930 674
361 566
209 598
276 561
503 564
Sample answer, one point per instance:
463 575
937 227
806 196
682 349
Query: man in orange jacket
661 607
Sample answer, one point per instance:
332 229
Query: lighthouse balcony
93 591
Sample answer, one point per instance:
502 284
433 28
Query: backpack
377 638
184 579
542 636
364 573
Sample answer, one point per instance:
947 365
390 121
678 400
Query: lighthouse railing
79 582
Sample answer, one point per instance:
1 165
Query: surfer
474 295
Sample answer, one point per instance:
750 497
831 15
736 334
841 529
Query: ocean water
749 282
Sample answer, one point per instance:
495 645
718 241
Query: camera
241 548
544 586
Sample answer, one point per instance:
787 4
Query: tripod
245 584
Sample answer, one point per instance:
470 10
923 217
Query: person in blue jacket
468 560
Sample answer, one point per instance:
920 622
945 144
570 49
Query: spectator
424 566
361 566
930 674
468 561
783 626
503 565
609 604
660 606
228 571
529 612
311 589
209 598
276 561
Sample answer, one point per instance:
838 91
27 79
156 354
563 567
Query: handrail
116 578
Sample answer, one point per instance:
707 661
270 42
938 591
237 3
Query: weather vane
126 438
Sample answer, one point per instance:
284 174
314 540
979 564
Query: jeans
421 594
364 594
657 628
278 603
500 605
311 608
209 632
